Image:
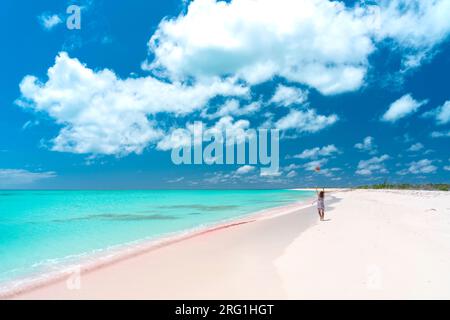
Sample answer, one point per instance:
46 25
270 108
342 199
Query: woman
321 204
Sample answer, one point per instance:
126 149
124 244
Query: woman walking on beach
321 204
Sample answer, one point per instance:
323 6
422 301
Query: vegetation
408 186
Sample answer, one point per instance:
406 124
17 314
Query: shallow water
40 230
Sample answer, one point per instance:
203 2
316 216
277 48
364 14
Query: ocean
41 231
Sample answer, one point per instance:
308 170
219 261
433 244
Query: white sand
377 244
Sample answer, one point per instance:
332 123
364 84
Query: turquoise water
40 229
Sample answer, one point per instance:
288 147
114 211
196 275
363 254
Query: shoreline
374 244
111 256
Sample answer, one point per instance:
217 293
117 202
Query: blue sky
360 89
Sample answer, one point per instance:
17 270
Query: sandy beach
374 245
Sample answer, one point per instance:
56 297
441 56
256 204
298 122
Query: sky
357 88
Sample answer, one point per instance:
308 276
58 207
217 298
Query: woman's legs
321 214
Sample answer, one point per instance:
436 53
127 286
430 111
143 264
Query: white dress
320 204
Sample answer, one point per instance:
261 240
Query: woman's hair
321 194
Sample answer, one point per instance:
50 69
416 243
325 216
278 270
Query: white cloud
320 43
416 147
287 96
269 174
245 169
220 177
367 145
314 153
251 177
29 124
291 174
248 175
420 167
18 177
373 165
440 134
291 167
441 114
49 21
305 121
415 25
447 168
175 180
179 137
100 113
232 107
290 170
406 138
312 165
402 107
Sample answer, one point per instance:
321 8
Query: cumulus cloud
305 121
269 174
312 165
440 134
182 137
19 177
416 147
177 138
320 43
100 113
290 170
245 169
291 167
233 107
373 165
441 114
367 145
423 166
401 108
291 174
236 178
49 21
314 153
220 178
286 96
416 26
